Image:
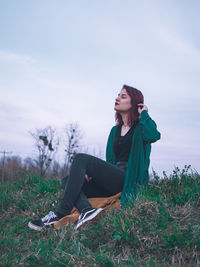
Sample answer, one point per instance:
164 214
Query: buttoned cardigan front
137 173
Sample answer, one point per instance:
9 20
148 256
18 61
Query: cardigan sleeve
150 133
110 156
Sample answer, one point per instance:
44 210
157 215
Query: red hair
136 98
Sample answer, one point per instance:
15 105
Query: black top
122 144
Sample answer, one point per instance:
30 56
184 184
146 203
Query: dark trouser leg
105 176
81 201
89 189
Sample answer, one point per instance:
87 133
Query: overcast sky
65 61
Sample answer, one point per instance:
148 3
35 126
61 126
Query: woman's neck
125 119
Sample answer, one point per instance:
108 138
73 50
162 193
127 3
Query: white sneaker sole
89 218
35 227
39 228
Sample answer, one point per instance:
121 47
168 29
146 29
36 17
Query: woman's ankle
59 215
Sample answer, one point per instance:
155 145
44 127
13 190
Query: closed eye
123 95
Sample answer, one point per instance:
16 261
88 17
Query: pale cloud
75 70
177 42
11 57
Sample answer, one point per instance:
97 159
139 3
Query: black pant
107 180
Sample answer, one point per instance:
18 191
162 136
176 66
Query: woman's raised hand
142 107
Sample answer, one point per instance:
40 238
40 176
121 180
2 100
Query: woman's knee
80 157
83 159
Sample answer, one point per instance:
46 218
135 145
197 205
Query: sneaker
45 222
86 216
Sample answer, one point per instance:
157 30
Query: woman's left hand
142 107
88 179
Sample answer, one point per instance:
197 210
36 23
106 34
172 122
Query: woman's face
123 102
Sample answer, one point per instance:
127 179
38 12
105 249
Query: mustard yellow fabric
101 202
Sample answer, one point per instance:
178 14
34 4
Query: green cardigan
137 174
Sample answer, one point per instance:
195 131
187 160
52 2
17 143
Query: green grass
160 228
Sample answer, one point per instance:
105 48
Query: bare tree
30 166
12 168
3 163
46 143
55 169
72 143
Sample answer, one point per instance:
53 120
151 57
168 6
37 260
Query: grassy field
161 228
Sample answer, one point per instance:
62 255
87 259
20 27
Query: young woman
125 169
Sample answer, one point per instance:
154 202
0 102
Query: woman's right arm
150 133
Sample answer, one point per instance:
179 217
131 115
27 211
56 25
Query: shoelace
49 216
